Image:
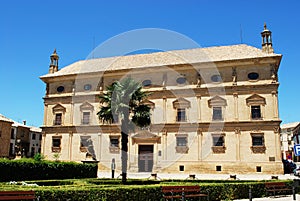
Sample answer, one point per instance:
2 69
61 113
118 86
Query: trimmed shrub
26 169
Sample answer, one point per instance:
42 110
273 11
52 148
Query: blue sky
30 30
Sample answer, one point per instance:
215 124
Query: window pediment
217 101
181 103
255 99
58 108
149 103
86 106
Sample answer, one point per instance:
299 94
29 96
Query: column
275 104
155 153
45 114
199 107
43 142
237 132
199 135
236 110
165 145
72 105
277 144
99 146
70 145
164 109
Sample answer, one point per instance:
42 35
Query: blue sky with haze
31 29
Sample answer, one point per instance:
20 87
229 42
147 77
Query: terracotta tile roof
187 56
289 125
3 118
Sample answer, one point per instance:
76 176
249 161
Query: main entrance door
145 158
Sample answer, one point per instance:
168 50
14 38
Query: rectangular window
114 142
56 142
218 141
86 118
85 142
181 115
114 145
181 141
255 112
58 119
217 113
257 140
33 136
12 134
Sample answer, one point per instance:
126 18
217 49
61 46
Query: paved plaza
145 175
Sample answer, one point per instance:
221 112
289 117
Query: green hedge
151 192
135 190
20 170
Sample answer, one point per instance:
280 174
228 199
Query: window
85 142
58 119
87 87
216 78
114 145
258 168
86 118
218 141
182 143
56 144
217 113
255 112
12 134
253 76
257 140
33 136
181 105
181 115
146 83
40 137
114 142
181 80
60 89
255 103
258 143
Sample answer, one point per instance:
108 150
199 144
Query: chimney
24 122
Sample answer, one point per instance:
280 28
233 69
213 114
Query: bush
38 157
28 169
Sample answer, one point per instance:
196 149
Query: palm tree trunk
124 146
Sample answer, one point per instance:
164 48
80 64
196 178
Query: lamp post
18 147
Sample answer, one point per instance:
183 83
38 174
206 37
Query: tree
124 99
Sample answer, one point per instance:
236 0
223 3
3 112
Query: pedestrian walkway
170 176
281 198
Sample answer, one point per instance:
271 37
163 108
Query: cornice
234 126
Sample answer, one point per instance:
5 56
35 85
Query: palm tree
124 99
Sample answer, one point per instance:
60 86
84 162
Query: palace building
213 110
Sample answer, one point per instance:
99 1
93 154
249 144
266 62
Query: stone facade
286 139
214 110
5 130
19 139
